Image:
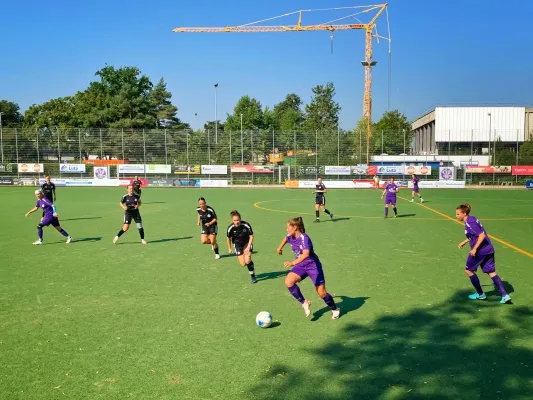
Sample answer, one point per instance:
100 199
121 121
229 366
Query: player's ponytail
465 208
298 222
235 213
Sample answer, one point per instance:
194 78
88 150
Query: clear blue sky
443 52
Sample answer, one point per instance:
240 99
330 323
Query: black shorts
239 248
50 197
320 200
209 230
137 191
132 214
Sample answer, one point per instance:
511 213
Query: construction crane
370 29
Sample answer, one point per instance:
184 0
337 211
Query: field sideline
166 320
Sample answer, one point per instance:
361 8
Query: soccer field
94 320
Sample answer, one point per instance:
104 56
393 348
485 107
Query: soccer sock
141 232
317 213
251 267
40 232
120 233
475 282
499 285
63 232
327 211
215 249
386 211
395 210
329 301
296 293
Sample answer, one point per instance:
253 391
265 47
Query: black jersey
206 216
48 189
137 184
320 186
240 234
132 202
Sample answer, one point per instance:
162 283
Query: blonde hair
298 222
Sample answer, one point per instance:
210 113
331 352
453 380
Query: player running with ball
240 233
306 264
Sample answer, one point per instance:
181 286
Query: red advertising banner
522 169
372 170
127 182
256 169
488 169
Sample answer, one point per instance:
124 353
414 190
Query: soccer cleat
115 240
143 241
217 256
477 296
306 305
505 299
253 279
69 239
331 216
412 201
336 313
316 220
421 200
38 242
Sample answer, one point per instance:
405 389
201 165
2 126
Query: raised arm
281 245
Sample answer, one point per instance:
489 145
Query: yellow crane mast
370 29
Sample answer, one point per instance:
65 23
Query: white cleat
143 241
217 256
69 239
336 313
307 308
38 242
115 240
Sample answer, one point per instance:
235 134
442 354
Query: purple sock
63 232
295 291
386 211
330 302
40 232
499 285
475 282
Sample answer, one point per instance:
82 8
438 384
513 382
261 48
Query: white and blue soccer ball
263 319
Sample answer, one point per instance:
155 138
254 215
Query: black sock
327 211
251 267
395 210
120 233
216 250
317 213
141 232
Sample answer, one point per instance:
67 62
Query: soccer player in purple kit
306 264
416 189
390 190
49 218
480 255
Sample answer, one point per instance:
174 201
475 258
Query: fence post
338 146
188 166
17 145
517 131
1 137
230 150
79 149
144 155
361 148
58 150
316 154
471 152
295 156
273 153
494 158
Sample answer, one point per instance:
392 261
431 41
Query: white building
471 129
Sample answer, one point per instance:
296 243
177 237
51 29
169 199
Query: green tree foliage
392 133
165 111
252 115
525 153
322 113
11 115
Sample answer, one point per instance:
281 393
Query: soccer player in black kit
137 183
320 200
49 189
240 233
208 217
130 203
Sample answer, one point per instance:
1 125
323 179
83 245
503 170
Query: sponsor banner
310 170
355 184
130 169
390 170
529 184
292 184
101 173
336 170
418 169
488 169
160 182
6 181
106 182
57 182
213 183
31 168
252 169
129 181
439 184
105 162
91 182
187 169
363 169
522 170
26 182
468 163
79 182
187 182
68 168
158 169
447 173
6 168
214 169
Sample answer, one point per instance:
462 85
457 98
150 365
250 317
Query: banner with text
214 169
130 169
71 168
187 169
337 170
160 182
355 184
418 169
6 167
101 173
390 170
529 184
207 183
488 169
252 169
31 168
439 184
6 181
446 173
186 182
522 169
158 169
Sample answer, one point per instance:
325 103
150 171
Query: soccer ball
263 319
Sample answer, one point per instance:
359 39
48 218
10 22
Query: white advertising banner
355 184
214 169
418 169
158 168
31 168
71 168
390 170
213 183
440 184
336 170
447 173
101 173
130 168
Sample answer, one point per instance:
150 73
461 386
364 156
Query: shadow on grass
456 349
87 239
170 239
347 305
271 275
78 219
274 324
406 215
154 202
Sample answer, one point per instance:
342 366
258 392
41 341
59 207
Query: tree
165 111
322 113
11 116
252 115
288 115
392 133
525 153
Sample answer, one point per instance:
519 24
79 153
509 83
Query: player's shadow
170 239
154 202
347 305
87 239
406 215
340 219
271 275
79 219
274 324
495 292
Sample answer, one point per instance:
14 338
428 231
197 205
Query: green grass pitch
93 320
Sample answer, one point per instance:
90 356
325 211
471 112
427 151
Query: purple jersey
415 181
300 244
473 229
391 189
46 205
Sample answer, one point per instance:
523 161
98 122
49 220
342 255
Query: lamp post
216 117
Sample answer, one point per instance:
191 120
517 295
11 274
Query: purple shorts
312 271
486 262
390 200
49 220
415 189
